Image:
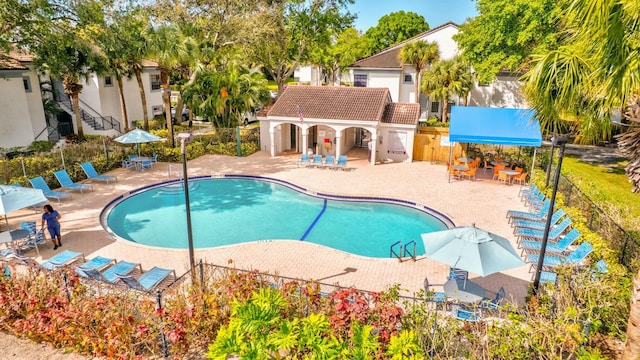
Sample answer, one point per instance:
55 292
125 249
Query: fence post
238 144
165 351
201 267
66 287
24 170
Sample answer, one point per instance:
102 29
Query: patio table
465 291
510 173
465 160
10 237
461 167
494 163
138 162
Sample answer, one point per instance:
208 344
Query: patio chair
33 242
521 179
131 157
496 171
495 302
39 183
458 274
329 162
66 182
145 164
149 280
487 166
154 158
316 161
128 164
554 232
466 314
304 159
64 258
538 224
92 174
575 258
97 263
471 173
437 297
561 246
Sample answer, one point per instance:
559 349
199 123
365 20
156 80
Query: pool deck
484 202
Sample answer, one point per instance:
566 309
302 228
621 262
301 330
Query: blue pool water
230 211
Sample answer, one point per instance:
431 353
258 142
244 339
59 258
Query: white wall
444 38
383 79
15 121
503 92
36 110
384 148
90 93
132 96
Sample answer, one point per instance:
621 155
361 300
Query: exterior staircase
96 123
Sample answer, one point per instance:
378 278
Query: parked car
249 117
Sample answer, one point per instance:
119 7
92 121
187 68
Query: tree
224 95
420 54
62 38
292 29
506 32
445 79
394 28
597 66
168 47
345 49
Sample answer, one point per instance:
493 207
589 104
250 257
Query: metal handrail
392 252
175 169
406 249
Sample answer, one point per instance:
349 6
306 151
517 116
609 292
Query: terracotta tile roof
20 55
388 58
8 63
401 113
332 102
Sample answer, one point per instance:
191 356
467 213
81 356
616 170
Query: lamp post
550 160
184 138
561 142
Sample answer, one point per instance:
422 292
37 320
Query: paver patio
483 202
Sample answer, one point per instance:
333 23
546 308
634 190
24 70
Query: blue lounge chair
329 161
526 215
601 267
39 183
554 233
66 182
304 160
579 254
62 259
561 246
539 224
548 277
92 174
342 163
149 280
120 268
316 161
97 263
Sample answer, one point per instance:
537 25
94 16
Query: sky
435 12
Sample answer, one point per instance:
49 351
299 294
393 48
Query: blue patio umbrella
137 136
14 198
471 249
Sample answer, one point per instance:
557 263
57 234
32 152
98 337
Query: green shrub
41 146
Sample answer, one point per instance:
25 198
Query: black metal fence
625 243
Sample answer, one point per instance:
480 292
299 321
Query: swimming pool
238 209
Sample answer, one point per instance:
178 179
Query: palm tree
603 76
445 79
167 47
420 55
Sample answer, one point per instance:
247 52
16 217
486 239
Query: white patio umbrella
137 136
471 249
14 198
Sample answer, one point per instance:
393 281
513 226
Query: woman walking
51 218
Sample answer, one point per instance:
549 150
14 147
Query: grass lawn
272 85
606 184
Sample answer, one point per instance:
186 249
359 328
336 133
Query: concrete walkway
483 202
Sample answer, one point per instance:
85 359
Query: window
408 79
360 80
155 82
435 107
108 81
26 82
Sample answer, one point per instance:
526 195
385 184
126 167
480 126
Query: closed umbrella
137 136
471 249
14 198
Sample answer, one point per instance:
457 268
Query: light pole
561 142
550 160
184 138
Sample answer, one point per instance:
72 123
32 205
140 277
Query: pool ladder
403 250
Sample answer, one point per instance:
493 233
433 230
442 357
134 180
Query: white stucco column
272 138
374 142
338 143
305 144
